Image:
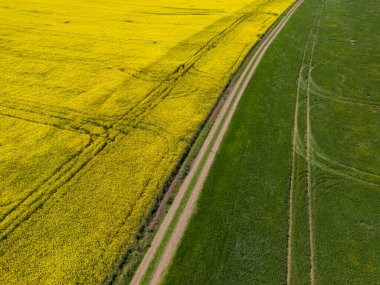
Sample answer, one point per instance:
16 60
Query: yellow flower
99 100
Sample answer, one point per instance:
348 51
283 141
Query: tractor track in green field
169 234
309 155
309 150
309 168
293 167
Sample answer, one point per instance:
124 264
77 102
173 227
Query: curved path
193 181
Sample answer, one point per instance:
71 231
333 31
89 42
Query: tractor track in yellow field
106 132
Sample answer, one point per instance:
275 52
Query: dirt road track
218 131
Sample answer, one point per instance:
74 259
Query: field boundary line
308 157
209 148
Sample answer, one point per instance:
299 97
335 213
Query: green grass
238 234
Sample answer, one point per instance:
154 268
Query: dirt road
209 149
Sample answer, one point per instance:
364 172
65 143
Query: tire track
164 89
294 158
326 163
48 108
71 121
309 158
64 126
35 199
315 89
138 112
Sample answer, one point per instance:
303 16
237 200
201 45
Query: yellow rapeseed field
98 101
